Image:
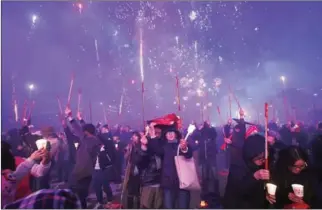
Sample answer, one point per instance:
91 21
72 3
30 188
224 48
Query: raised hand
37 155
144 140
79 116
68 112
183 145
227 140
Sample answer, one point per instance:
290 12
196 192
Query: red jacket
23 188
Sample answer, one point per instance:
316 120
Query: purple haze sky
246 44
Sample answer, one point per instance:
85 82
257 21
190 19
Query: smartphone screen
48 146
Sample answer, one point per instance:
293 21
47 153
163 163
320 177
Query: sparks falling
177 40
80 7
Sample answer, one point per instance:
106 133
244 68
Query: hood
172 129
253 146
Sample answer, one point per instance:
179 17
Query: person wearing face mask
247 189
166 148
292 168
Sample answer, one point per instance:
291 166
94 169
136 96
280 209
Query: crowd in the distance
85 158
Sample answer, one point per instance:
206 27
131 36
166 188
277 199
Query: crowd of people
89 158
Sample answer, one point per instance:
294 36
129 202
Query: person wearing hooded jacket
89 145
246 188
292 167
167 150
208 164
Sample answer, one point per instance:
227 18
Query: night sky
208 45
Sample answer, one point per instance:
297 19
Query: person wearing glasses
292 168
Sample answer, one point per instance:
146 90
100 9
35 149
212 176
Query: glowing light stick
191 129
147 129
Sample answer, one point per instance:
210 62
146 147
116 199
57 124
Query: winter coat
167 151
284 186
85 155
9 182
150 166
242 189
238 139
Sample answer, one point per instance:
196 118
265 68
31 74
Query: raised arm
25 167
73 124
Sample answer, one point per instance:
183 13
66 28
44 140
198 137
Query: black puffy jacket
150 167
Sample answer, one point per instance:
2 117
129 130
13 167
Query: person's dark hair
48 132
172 129
24 130
206 124
136 133
320 125
288 156
90 128
7 158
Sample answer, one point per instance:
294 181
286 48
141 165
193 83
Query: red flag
250 131
170 119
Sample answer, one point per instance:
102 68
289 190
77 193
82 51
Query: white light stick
147 129
191 129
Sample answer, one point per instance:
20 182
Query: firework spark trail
196 55
97 55
142 76
14 100
121 103
141 56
